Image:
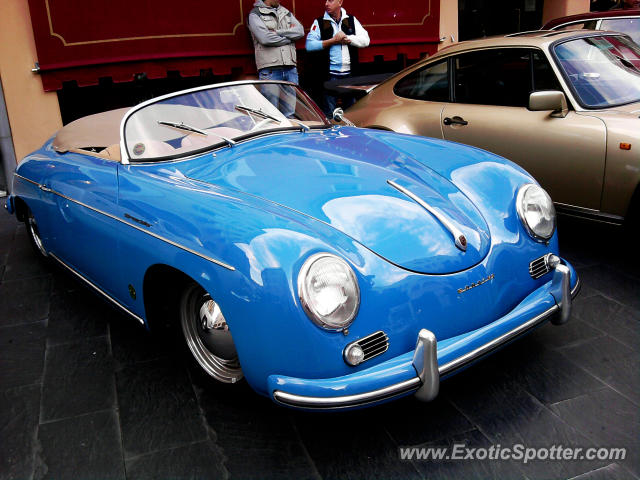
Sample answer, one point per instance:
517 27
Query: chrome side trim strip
154 235
458 236
27 180
407 386
588 214
97 289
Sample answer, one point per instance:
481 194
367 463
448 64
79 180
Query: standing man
274 31
338 36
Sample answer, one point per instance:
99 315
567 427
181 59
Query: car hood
343 178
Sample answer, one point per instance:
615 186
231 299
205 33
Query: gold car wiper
189 128
259 113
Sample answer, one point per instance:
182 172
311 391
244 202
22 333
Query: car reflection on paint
563 105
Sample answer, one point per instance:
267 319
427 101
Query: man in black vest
338 36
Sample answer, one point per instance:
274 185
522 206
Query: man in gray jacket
275 30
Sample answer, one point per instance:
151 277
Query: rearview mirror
553 100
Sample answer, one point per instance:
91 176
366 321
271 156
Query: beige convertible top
97 135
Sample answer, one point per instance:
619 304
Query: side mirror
553 100
338 116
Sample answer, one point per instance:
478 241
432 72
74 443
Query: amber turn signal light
625 146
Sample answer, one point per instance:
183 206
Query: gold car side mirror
549 100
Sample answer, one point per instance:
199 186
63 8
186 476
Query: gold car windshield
205 118
603 71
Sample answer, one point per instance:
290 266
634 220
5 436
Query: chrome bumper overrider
426 383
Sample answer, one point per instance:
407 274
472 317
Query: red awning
84 41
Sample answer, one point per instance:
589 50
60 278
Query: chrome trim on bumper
425 361
561 291
426 383
329 403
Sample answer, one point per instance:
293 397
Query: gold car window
494 77
430 83
544 78
602 71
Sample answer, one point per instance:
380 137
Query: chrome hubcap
35 235
214 331
208 336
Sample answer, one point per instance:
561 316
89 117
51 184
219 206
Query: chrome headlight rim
522 216
302 275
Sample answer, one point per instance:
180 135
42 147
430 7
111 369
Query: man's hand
341 37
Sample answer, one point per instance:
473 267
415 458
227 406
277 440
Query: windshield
602 71
202 119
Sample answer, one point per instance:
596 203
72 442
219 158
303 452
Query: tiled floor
86 393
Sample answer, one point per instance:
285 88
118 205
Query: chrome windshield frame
126 159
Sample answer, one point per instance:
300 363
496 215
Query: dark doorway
483 18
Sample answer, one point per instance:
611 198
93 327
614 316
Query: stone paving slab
87 393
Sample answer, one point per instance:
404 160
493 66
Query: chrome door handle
454 121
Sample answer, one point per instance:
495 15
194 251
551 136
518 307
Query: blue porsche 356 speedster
331 266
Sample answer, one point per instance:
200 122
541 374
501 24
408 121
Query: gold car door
491 93
566 155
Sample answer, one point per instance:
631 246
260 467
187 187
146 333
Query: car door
491 92
82 207
424 92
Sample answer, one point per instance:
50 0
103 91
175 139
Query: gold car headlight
536 211
328 291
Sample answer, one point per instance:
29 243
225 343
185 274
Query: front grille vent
374 345
539 267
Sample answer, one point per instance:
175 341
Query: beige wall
33 114
560 8
448 22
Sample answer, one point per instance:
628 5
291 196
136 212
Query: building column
561 8
448 22
34 115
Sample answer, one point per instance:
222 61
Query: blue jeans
288 74
283 98
330 99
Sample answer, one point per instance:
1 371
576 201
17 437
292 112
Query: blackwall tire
210 346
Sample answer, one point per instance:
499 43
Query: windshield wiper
259 113
183 126
305 128
189 128
627 63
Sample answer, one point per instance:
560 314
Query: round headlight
328 291
536 211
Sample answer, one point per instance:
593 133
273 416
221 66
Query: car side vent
540 266
374 345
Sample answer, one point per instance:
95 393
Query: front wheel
207 335
34 233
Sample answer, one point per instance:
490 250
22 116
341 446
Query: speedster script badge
476 284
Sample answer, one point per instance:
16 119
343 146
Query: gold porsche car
563 105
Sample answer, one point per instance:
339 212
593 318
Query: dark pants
330 99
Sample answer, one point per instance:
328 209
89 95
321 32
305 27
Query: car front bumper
420 370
